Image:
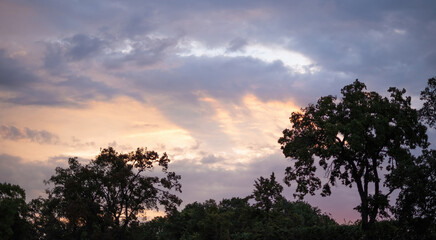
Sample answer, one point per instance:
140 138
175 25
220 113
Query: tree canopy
267 192
428 95
416 204
13 212
359 140
102 198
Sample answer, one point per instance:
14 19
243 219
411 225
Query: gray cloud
42 137
210 159
83 46
237 44
13 76
29 89
31 175
373 42
201 182
76 48
144 52
38 136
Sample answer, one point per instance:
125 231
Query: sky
211 83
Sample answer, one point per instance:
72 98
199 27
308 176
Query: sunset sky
212 83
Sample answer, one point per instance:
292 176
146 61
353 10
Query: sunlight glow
294 61
253 126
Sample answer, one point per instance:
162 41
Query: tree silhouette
353 139
416 203
428 110
102 198
267 192
13 209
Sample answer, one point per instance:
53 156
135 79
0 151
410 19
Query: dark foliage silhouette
359 140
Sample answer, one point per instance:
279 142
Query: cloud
201 182
44 137
210 159
38 136
82 46
21 85
236 44
29 176
60 52
13 75
143 52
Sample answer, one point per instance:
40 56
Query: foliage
267 192
353 139
13 211
236 219
46 219
416 203
103 198
270 216
428 110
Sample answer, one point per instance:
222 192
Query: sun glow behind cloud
294 61
253 126
83 131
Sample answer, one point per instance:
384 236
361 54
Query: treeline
265 214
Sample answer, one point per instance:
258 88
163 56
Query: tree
47 221
428 111
101 199
416 203
267 192
356 140
13 209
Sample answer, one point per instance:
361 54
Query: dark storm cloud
38 136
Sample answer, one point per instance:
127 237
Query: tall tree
267 192
356 140
428 110
106 195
